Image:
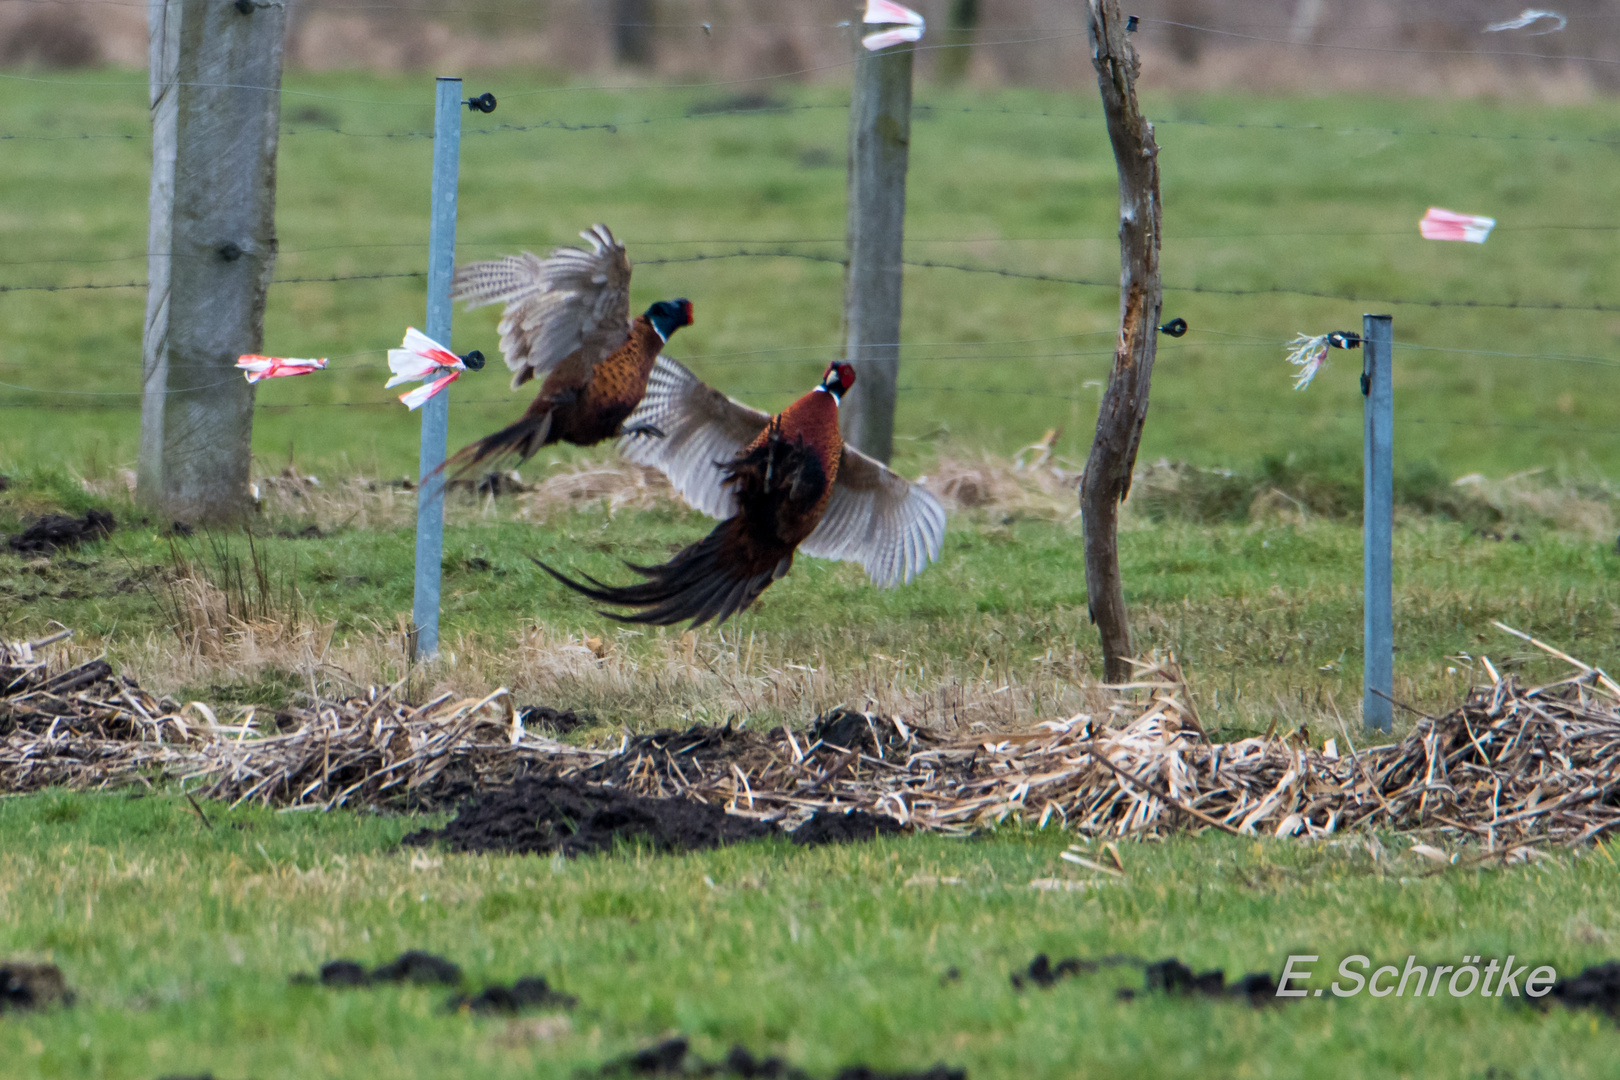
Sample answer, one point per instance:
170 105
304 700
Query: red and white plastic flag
256 367
908 25
420 357
1440 224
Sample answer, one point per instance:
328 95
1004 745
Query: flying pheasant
567 322
780 484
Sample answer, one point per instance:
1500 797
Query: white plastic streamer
1529 17
1309 355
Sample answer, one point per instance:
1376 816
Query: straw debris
1512 766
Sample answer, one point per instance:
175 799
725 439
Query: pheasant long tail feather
520 440
703 582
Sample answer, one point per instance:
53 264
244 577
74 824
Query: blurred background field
1318 194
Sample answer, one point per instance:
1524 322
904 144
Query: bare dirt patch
529 992
32 986
828 827
674 1057
1598 987
545 815
1168 976
57 532
413 966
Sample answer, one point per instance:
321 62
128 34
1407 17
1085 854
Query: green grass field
180 937
180 940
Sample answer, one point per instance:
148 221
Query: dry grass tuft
1033 483
613 484
1580 505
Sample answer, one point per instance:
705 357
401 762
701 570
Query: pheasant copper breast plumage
567 323
780 484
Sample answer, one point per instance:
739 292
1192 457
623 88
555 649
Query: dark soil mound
674 1057
829 827
343 973
413 966
1167 976
1045 974
32 986
56 531
418 967
1171 976
542 815
545 718
529 992
851 730
701 745
1598 987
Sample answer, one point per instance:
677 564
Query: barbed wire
1383 48
756 393
277 281
701 112
783 242
920 352
934 264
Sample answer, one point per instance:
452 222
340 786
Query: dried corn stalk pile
1511 765
87 728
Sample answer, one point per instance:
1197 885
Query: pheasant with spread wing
779 484
567 322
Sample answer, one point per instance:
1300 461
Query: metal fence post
1378 523
436 412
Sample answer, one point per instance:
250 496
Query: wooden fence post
962 25
216 106
1107 478
879 140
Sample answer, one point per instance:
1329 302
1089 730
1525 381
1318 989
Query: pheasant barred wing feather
877 518
702 430
571 301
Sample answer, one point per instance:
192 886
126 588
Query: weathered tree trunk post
216 106
633 32
879 141
1107 478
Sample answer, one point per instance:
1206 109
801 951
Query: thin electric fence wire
702 111
1389 49
1218 410
785 242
